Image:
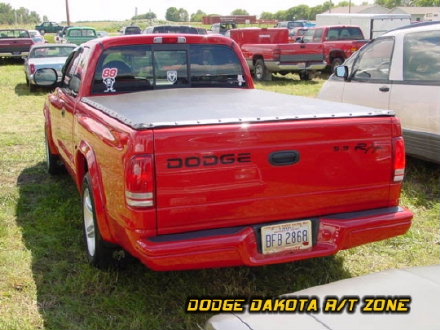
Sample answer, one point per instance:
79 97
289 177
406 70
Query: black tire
99 252
260 71
336 62
305 75
53 163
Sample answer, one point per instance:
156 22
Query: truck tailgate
237 174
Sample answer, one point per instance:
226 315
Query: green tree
389 3
298 12
343 4
149 15
198 16
6 14
281 15
426 3
267 15
183 15
239 12
172 14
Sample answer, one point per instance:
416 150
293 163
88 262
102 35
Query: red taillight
32 68
139 181
399 159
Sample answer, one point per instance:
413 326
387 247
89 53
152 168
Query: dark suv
132 29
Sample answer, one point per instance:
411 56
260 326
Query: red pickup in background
339 41
269 50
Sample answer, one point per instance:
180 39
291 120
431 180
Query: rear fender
48 130
86 162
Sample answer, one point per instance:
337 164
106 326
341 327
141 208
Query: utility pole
67 13
349 6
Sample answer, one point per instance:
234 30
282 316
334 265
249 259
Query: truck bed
183 107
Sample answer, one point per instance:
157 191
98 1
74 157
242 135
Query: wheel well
257 57
81 169
337 54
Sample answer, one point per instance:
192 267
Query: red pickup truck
182 163
339 41
15 43
270 51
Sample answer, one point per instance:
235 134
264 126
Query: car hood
422 284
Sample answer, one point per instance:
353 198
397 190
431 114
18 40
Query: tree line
298 12
9 15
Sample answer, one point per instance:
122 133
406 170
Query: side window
72 72
308 36
318 35
421 53
374 60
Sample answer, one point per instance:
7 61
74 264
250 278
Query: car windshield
143 67
51 52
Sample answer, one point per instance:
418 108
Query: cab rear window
144 67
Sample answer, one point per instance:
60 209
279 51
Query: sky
117 10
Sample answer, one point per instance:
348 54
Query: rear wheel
98 253
305 75
260 71
53 163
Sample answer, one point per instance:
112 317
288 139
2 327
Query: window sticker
108 78
172 76
240 80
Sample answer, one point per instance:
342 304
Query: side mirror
342 71
45 77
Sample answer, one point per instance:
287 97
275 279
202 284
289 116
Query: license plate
286 236
16 53
301 65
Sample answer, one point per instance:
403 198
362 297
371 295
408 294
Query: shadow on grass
73 295
422 181
279 80
23 90
11 61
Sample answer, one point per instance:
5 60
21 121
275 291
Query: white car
419 286
398 71
41 56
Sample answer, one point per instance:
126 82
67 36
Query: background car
421 284
46 56
399 71
79 34
36 36
132 29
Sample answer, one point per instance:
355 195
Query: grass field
45 282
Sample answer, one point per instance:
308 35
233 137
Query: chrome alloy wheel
89 223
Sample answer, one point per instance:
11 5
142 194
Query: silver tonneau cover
205 106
